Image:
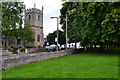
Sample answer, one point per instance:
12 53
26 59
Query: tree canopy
92 23
51 37
12 21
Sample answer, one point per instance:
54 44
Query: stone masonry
34 16
17 60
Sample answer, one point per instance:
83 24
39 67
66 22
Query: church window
38 38
9 42
5 44
38 17
18 41
2 43
29 17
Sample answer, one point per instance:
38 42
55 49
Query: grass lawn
84 65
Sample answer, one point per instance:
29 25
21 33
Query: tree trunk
114 46
91 47
107 46
69 45
75 45
95 47
101 46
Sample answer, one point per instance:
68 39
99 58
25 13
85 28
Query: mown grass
84 65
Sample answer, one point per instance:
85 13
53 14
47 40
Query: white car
51 48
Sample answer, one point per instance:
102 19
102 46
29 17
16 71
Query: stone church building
33 16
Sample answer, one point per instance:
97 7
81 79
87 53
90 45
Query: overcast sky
51 9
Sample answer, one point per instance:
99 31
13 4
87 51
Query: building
33 16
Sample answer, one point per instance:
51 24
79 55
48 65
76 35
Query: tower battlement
34 10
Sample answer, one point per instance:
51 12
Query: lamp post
57 29
66 31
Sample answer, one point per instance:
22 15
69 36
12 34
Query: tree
111 25
26 33
61 38
12 16
93 23
70 10
51 38
12 20
88 21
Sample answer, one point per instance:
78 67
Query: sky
51 9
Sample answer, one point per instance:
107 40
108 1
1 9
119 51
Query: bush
22 49
13 50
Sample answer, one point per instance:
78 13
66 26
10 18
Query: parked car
51 48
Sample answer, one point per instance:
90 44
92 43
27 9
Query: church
33 16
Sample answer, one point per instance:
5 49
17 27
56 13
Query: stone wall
31 50
17 60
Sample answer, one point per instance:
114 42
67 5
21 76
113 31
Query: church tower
34 16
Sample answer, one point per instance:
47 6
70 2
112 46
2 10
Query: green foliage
72 33
51 38
111 25
93 23
11 50
12 13
91 16
27 33
22 50
12 20
61 38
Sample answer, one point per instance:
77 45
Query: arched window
38 17
29 17
5 43
38 38
2 43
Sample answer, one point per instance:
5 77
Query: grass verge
83 65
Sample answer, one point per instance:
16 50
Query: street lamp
66 31
57 29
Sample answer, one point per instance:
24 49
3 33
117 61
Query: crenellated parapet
34 10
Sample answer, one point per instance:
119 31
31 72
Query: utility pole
57 31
